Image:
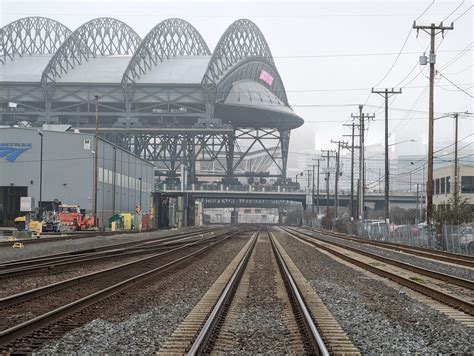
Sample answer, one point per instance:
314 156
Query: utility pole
386 94
336 188
328 175
352 148
96 157
417 203
456 183
317 201
431 30
317 198
362 118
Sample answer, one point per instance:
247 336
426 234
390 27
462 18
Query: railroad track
465 283
199 332
463 260
135 248
52 237
25 315
62 236
462 304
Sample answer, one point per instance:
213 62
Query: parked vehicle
71 217
465 238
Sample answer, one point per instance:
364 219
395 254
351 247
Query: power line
399 52
452 12
464 13
457 86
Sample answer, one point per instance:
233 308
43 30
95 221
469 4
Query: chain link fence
452 238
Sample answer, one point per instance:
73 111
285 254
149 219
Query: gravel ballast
256 319
139 321
378 319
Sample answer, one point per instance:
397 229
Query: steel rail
114 248
37 292
225 298
310 326
72 236
43 320
457 303
463 260
465 283
61 236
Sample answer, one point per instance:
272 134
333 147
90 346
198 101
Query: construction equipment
71 217
43 219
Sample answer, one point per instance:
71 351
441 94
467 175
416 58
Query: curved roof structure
239 75
172 38
101 37
31 36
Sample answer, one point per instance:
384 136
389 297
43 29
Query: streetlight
397 143
41 170
96 157
387 179
140 180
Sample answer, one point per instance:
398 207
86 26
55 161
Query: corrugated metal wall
68 171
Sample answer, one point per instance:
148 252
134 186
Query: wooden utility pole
386 93
456 174
352 148
328 175
317 195
336 181
431 30
317 198
362 117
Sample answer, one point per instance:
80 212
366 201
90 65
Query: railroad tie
335 338
182 338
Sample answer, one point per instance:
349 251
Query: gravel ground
43 249
256 317
441 267
139 322
377 318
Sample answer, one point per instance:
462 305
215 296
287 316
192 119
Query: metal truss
170 38
272 141
243 39
222 154
31 35
103 36
141 113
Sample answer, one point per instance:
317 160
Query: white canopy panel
177 70
27 68
107 69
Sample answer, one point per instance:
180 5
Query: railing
229 188
264 188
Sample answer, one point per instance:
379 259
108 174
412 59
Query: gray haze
322 49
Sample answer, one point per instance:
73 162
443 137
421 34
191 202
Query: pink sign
266 77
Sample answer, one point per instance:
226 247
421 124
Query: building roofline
82 134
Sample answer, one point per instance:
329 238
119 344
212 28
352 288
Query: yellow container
127 221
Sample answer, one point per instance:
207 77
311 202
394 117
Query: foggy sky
321 50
